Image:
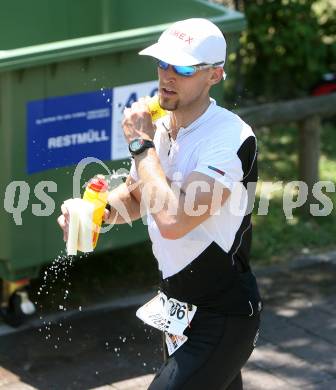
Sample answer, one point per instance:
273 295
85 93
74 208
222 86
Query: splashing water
57 271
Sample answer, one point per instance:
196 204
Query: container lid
98 184
59 51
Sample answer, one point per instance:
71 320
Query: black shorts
217 348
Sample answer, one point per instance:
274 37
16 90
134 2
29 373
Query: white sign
123 97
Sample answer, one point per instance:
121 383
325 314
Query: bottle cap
98 184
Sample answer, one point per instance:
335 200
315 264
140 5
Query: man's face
179 92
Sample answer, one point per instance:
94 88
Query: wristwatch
139 145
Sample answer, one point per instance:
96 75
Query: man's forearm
125 208
177 209
157 194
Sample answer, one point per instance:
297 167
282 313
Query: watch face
136 144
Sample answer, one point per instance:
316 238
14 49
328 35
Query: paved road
110 349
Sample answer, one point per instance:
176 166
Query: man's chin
169 106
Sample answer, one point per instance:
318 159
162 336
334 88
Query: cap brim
169 55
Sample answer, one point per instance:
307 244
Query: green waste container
67 70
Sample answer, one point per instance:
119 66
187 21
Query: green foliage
326 11
287 46
277 238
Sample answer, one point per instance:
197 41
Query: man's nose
168 74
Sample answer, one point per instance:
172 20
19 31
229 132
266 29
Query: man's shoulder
228 124
229 116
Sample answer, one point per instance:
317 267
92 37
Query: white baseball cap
189 42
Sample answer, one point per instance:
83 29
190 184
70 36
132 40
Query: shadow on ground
83 352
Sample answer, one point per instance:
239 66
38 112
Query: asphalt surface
82 352
109 348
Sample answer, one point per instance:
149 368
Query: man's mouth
168 92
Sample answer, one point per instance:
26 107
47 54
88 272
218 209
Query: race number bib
170 316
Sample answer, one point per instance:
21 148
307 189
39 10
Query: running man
194 172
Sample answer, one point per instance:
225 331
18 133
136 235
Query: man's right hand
63 220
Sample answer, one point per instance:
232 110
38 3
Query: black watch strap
139 145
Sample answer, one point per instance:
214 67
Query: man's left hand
137 122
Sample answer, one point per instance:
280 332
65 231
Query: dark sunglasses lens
186 71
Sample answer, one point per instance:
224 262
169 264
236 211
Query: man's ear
216 75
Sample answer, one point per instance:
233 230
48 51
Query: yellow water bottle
155 109
96 192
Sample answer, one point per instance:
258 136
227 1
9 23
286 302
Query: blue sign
63 130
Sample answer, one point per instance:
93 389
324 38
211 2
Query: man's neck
184 117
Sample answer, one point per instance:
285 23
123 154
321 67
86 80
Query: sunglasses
188 70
